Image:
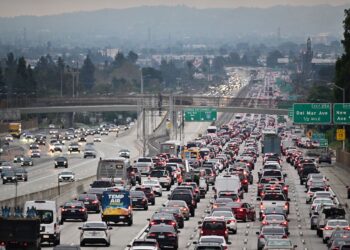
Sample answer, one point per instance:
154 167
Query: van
48 213
230 183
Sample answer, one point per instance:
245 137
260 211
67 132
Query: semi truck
18 231
15 129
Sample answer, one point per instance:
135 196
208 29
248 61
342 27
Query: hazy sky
49 7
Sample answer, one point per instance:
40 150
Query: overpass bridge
147 102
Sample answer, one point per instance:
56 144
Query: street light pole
343 90
143 118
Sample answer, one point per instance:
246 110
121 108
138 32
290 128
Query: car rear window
272 231
273 197
157 174
214 225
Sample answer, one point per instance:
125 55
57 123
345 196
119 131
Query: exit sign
312 113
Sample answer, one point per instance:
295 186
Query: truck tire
130 222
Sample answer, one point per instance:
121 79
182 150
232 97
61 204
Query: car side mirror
258 198
134 161
199 223
168 196
147 230
288 233
295 246
194 242
128 245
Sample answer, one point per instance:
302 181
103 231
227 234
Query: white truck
228 183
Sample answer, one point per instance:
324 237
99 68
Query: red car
243 211
214 226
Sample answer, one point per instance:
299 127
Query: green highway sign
200 114
341 113
290 113
312 113
317 136
323 143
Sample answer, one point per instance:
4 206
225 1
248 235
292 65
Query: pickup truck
144 165
274 200
163 177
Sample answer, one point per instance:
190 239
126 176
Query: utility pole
143 118
343 90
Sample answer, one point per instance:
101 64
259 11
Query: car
280 244
209 245
61 162
144 244
89 152
275 220
158 190
93 232
27 161
66 247
163 176
8 175
166 236
35 154
91 202
184 196
325 157
124 153
338 234
163 218
9 138
276 232
148 192
214 226
340 244
73 210
139 199
74 148
21 174
18 159
213 239
57 147
321 201
243 211
97 139
230 219
333 225
66 176
180 204
176 212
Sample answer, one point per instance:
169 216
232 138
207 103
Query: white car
97 139
35 154
231 222
325 201
333 225
213 239
9 138
95 232
154 183
66 176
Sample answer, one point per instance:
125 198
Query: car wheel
234 231
145 208
192 213
324 241
168 188
130 222
108 244
153 202
84 220
82 244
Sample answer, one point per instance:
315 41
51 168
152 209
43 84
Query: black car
325 158
91 202
27 161
21 174
8 175
73 210
61 162
89 152
163 218
166 236
149 194
139 199
176 212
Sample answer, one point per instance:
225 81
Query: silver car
95 232
66 176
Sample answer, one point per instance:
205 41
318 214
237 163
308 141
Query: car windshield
101 184
144 160
319 201
212 239
276 242
157 174
94 226
222 214
87 197
274 217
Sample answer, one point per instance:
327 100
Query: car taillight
245 181
285 188
95 202
241 210
152 235
153 223
284 236
63 209
284 223
265 223
286 206
226 232
193 203
202 232
170 235
261 236
173 223
328 228
82 209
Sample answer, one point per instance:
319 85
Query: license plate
45 236
161 236
134 199
121 217
86 202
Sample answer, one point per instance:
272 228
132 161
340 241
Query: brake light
153 223
285 188
152 235
240 210
95 202
284 223
261 236
284 236
82 209
286 206
63 209
265 223
226 232
170 235
173 223
328 228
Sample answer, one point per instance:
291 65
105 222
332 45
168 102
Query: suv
214 226
166 236
8 175
91 202
21 174
163 218
305 170
186 196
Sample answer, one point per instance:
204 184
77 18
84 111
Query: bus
191 153
115 168
171 148
212 129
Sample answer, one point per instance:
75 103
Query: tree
87 73
272 58
10 74
119 60
2 85
342 67
21 76
234 58
132 57
319 94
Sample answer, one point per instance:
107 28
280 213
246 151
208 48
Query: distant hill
172 24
